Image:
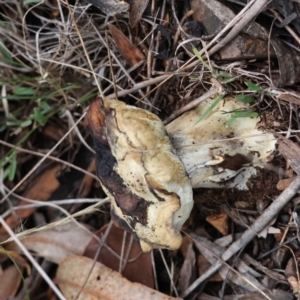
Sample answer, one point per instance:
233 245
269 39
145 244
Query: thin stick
192 104
253 11
262 221
138 86
84 48
287 27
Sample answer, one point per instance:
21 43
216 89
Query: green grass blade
209 110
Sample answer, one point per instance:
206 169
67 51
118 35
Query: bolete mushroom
138 168
150 183
216 152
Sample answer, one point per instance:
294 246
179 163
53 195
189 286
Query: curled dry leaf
128 50
82 277
220 222
216 152
137 166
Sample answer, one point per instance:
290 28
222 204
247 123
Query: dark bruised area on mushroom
235 162
130 204
162 191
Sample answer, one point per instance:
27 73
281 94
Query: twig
192 104
287 27
84 48
252 12
138 86
260 224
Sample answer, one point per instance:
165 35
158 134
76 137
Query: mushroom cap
139 170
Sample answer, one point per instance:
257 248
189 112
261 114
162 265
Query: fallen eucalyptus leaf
82 278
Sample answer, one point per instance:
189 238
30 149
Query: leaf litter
150 64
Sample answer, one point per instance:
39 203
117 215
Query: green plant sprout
225 77
209 110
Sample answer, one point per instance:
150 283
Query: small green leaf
2 127
45 106
38 116
26 123
253 87
23 91
242 114
11 123
6 56
244 99
225 75
215 103
32 1
197 54
12 168
3 50
270 94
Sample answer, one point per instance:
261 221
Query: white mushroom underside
203 145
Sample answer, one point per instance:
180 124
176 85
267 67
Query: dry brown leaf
203 265
284 183
57 243
187 272
95 281
137 260
10 281
291 152
291 275
15 256
87 181
220 222
128 50
136 10
289 98
53 131
41 190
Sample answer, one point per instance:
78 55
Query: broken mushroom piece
216 152
139 170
